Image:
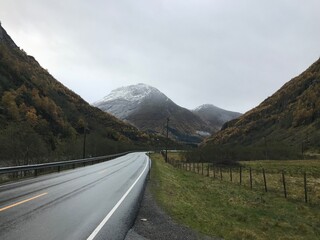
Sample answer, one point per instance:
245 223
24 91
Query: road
93 202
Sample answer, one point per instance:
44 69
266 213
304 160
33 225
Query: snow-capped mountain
148 109
215 116
124 101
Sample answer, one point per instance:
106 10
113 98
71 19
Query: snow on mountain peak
123 101
132 93
205 106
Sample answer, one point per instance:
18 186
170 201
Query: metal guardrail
35 167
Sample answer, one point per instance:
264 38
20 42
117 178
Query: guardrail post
59 168
36 172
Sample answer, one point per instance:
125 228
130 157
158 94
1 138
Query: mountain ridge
214 115
290 118
147 108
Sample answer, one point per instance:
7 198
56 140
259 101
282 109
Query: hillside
215 116
148 109
286 123
41 119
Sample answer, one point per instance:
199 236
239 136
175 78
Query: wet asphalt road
93 202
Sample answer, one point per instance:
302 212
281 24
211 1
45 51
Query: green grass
224 209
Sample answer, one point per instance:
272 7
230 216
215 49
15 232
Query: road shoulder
154 224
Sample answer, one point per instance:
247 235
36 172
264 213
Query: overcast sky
231 53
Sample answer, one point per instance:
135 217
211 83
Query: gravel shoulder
154 224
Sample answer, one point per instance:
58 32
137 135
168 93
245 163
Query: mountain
41 119
215 116
284 124
148 109
124 101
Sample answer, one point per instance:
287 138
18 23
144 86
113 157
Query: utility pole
167 139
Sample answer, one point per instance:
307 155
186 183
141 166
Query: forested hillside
42 120
285 125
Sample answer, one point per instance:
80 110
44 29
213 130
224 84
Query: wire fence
297 186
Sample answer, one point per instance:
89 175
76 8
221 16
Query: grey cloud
231 53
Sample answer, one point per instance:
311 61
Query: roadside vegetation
225 209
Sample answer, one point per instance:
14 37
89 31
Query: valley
229 175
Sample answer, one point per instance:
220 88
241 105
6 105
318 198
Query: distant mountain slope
215 116
148 109
289 118
40 117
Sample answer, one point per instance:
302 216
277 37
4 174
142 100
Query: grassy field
294 176
223 209
276 174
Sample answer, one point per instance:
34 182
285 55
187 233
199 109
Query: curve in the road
94 202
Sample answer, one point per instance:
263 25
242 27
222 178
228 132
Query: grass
293 171
223 209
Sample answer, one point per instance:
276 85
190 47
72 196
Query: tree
8 101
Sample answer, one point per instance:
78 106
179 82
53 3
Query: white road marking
105 220
103 171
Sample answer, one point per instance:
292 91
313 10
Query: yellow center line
24 201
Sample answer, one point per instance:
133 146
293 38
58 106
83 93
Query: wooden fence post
208 170
284 185
240 175
264 180
202 168
305 187
230 174
250 175
221 174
